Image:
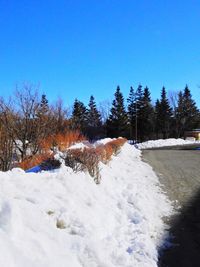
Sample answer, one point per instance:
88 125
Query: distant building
193 133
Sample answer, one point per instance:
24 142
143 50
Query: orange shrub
106 151
73 159
120 141
34 161
117 144
86 159
77 159
109 152
101 152
61 140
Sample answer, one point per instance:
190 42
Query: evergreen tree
146 116
131 112
79 115
164 115
42 119
138 112
117 121
157 119
93 116
94 125
43 106
180 120
187 112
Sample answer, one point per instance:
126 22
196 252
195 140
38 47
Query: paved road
179 173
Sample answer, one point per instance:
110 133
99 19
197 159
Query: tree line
138 118
28 118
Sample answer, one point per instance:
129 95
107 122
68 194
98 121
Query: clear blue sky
75 48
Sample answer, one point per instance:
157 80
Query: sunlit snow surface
165 142
115 223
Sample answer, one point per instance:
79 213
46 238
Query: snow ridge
116 223
165 142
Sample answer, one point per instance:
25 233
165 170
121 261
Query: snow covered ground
61 218
165 142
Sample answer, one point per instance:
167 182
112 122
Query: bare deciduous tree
6 146
104 109
59 116
173 99
24 124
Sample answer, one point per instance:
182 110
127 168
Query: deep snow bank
164 142
116 223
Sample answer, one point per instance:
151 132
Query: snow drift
164 142
61 218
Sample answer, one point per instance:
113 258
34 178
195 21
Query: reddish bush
120 141
117 144
113 147
101 152
61 141
34 161
73 160
88 158
78 159
82 160
108 152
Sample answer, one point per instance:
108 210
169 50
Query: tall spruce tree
157 123
93 115
43 106
138 112
137 105
146 116
131 112
180 119
164 115
79 115
117 123
94 124
43 119
187 112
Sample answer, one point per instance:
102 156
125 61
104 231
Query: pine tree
157 119
180 120
146 115
187 112
138 112
117 124
164 115
42 119
79 115
138 104
131 112
94 128
93 115
43 106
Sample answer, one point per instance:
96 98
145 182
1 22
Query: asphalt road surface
178 169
